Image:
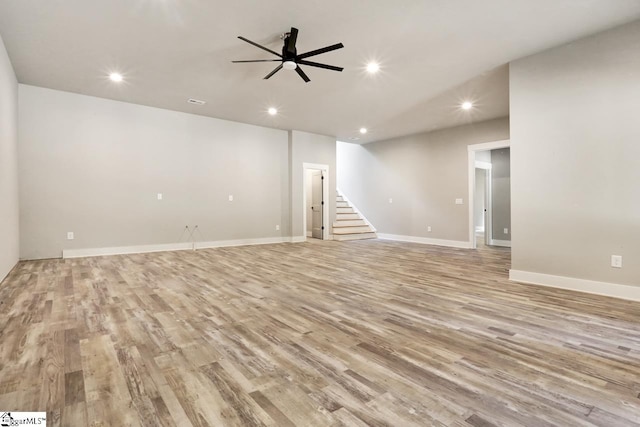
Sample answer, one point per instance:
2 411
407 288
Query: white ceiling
433 55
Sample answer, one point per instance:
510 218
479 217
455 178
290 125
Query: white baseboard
240 242
298 239
425 240
615 290
504 243
141 249
123 250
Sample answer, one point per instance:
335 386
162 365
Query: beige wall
94 166
9 210
422 173
575 145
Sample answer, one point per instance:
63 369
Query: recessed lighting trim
467 105
363 130
196 101
273 111
116 77
373 67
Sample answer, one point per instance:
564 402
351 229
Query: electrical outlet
458 201
506 231
277 228
390 200
429 228
616 261
70 235
231 197
159 196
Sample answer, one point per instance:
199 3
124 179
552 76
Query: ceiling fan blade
302 74
257 60
319 51
316 64
291 45
259 46
278 68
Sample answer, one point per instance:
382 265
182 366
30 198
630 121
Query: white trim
471 172
483 165
503 243
187 246
356 210
425 240
298 239
124 250
240 242
615 290
325 196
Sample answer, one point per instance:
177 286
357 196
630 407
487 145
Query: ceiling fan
290 60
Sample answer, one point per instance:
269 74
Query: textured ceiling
433 54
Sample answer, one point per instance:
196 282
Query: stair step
349 223
342 204
352 230
344 210
359 236
346 216
340 199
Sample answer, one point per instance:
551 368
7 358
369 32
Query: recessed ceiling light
273 111
354 138
373 67
363 130
115 77
467 105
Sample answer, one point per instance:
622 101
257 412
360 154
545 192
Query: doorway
315 200
482 217
489 193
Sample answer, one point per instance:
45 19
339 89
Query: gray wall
310 148
501 194
422 173
9 211
574 149
94 167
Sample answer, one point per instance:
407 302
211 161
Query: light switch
70 235
506 231
390 200
231 197
159 196
458 201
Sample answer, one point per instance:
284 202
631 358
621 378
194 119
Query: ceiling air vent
196 101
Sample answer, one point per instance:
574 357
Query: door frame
471 172
325 197
488 216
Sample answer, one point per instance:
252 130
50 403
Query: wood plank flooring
358 333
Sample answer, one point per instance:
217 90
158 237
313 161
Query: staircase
349 224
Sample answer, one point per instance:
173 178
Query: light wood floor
313 334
